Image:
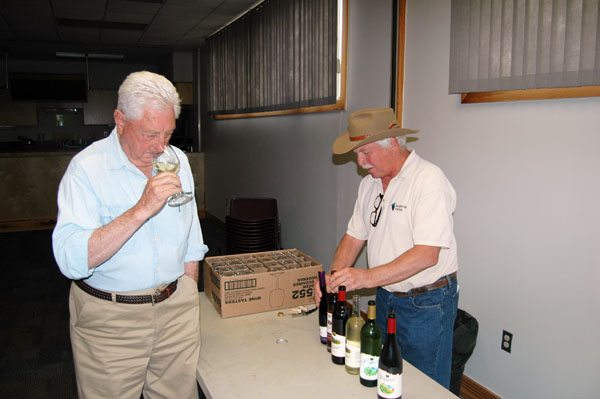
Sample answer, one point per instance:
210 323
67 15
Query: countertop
241 357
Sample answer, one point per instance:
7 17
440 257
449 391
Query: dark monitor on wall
48 87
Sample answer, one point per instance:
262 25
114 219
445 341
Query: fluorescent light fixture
96 56
105 56
64 54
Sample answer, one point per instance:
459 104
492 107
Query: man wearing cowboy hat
404 211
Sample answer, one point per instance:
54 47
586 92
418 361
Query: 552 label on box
303 293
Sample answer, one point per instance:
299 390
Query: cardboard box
260 282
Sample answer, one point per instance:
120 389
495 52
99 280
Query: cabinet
100 107
185 92
20 113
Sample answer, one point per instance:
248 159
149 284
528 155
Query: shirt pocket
107 214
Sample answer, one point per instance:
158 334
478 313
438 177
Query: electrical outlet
507 339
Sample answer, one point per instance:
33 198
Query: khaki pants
121 350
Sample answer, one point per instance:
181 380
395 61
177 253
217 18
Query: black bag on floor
465 338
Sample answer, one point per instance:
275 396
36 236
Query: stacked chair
252 226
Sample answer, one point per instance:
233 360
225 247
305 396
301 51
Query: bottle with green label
370 348
353 328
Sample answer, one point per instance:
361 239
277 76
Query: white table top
240 358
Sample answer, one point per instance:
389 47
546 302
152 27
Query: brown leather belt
158 296
442 282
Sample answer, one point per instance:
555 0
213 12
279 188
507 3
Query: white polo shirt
416 209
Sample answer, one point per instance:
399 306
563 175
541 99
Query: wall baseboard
27 224
470 389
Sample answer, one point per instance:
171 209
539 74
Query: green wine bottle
370 348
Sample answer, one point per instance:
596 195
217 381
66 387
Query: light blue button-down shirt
99 185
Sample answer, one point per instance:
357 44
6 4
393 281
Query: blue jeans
425 328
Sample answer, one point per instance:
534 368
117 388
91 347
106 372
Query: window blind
280 55
523 44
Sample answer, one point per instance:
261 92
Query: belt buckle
155 296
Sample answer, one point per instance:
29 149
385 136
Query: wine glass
168 161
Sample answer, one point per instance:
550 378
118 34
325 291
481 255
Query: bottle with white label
353 328
370 348
332 300
389 373
338 327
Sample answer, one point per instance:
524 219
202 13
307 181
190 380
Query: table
241 358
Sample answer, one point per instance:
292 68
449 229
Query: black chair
252 226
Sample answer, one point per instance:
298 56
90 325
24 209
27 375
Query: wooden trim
400 44
340 103
7 226
470 389
530 94
344 62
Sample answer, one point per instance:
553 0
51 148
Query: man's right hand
158 189
317 288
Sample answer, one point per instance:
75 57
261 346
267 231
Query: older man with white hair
404 212
134 302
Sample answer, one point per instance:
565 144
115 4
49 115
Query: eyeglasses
377 212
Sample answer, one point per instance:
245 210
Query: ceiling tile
130 7
79 13
138 18
76 34
29 25
112 35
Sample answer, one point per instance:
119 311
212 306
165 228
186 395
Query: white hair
387 142
144 89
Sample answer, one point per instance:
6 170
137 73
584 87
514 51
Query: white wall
526 177
527 221
289 157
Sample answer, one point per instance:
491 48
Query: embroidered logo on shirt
398 207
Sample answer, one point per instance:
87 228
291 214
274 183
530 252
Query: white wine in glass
168 161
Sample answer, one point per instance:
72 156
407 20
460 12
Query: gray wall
289 157
527 221
526 177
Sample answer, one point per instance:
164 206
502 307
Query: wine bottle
370 348
353 329
389 373
332 302
323 309
338 327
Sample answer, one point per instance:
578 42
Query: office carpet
35 349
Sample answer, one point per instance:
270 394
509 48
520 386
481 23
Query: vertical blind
523 44
280 55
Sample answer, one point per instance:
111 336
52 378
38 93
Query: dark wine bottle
389 373
323 309
340 316
370 348
332 298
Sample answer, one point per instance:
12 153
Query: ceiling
140 30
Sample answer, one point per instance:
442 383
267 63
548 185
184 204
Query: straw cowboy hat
366 126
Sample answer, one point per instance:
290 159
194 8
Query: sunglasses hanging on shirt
377 212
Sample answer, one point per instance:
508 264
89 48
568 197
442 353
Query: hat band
359 138
364 136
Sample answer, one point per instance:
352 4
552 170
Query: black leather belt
442 282
158 296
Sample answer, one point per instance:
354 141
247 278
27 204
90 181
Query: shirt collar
117 158
408 165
